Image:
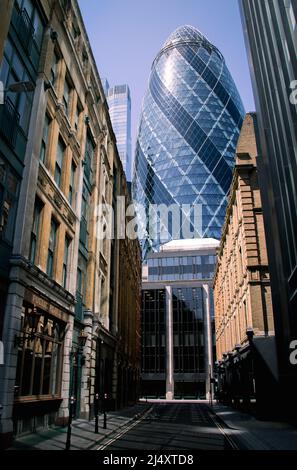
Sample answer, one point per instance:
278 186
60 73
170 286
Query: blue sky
125 36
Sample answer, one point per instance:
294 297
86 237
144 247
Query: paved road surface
173 426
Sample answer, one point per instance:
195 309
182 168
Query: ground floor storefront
247 378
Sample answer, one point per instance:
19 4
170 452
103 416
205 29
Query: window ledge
37 398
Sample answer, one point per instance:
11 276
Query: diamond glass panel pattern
189 126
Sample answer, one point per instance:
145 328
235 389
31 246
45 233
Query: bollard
96 412
68 441
104 410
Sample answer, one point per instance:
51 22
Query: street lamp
69 426
19 87
33 320
82 339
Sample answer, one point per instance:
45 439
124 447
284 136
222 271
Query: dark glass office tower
271 32
177 320
190 122
119 103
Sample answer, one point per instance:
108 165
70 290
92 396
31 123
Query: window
153 331
72 182
9 189
19 109
39 364
76 118
80 287
54 69
83 237
59 161
66 96
187 305
75 31
44 141
79 281
66 261
29 25
35 230
89 156
51 248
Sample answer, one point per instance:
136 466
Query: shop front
39 373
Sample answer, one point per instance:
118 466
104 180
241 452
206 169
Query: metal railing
25 29
9 121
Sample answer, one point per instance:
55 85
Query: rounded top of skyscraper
189 35
184 34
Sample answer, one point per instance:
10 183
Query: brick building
245 344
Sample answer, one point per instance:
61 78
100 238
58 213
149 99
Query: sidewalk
253 434
83 436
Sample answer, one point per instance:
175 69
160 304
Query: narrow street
172 426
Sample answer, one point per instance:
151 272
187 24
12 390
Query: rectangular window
52 248
66 261
59 161
54 69
66 96
187 322
30 26
76 118
153 331
72 182
84 234
79 281
80 289
17 107
75 30
9 190
44 141
89 157
35 230
25 27
40 354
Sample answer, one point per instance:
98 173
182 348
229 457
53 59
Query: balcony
25 29
9 122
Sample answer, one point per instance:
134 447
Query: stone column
169 346
44 236
207 339
25 211
60 248
63 412
12 322
86 368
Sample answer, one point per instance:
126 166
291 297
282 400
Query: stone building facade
245 346
62 317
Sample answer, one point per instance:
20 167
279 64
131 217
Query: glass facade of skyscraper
189 127
119 102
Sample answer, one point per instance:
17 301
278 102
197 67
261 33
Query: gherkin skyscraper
189 126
